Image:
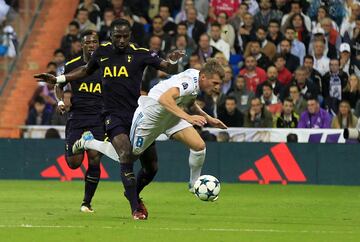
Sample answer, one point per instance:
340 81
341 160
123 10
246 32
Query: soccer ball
207 188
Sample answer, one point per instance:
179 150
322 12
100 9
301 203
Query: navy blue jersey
87 98
122 76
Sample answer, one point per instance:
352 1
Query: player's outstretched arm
76 74
167 100
170 66
217 123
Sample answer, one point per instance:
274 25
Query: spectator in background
257 116
52 134
321 61
59 59
182 30
242 95
288 118
269 99
227 31
284 75
314 77
169 25
291 138
220 57
157 30
138 34
272 79
300 104
82 17
75 49
254 49
237 19
302 34
231 116
297 47
216 40
8 40
182 15
333 85
246 33
351 92
274 34
306 88
266 14
205 50
348 25
59 118
329 50
322 13
150 73
93 10
193 60
223 136
38 115
182 44
332 36
345 118
296 8
346 63
227 6
314 117
267 47
51 67
118 7
227 85
292 61
104 33
253 75
73 33
195 28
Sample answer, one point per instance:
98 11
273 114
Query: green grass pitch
49 211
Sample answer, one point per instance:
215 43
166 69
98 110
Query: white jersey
188 84
151 119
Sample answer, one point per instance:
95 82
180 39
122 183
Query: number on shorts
139 142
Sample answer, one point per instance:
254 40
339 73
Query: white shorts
145 130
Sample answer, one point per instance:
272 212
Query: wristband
60 79
61 103
173 62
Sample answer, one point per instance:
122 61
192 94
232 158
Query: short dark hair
120 22
87 33
278 56
157 16
75 23
312 98
288 99
274 21
39 99
309 57
292 138
52 134
231 98
82 10
51 63
289 27
182 24
295 2
127 11
267 84
286 40
262 27
216 24
57 51
293 85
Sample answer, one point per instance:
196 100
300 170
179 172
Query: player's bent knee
74 162
198 146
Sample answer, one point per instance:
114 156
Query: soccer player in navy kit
122 65
85 114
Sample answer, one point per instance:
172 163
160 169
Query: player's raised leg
191 138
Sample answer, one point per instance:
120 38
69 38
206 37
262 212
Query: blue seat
235 59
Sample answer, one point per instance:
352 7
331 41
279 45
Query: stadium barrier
261 163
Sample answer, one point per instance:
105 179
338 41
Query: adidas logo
266 170
62 171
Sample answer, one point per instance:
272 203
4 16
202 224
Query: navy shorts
75 128
115 125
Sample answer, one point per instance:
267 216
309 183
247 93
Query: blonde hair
211 67
348 87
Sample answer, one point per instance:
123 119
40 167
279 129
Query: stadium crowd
288 64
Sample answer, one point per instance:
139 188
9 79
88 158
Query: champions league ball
207 188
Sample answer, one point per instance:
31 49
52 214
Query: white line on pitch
186 229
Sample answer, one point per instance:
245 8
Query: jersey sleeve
152 59
186 85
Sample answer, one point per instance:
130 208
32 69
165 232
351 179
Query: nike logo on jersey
103 59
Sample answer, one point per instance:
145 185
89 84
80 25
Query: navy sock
129 182
143 179
92 178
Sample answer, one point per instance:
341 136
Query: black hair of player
87 33
120 22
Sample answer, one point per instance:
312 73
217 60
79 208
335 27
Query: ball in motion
207 188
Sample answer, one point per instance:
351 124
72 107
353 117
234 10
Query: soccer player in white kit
162 112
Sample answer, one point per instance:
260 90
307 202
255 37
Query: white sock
196 161
103 147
